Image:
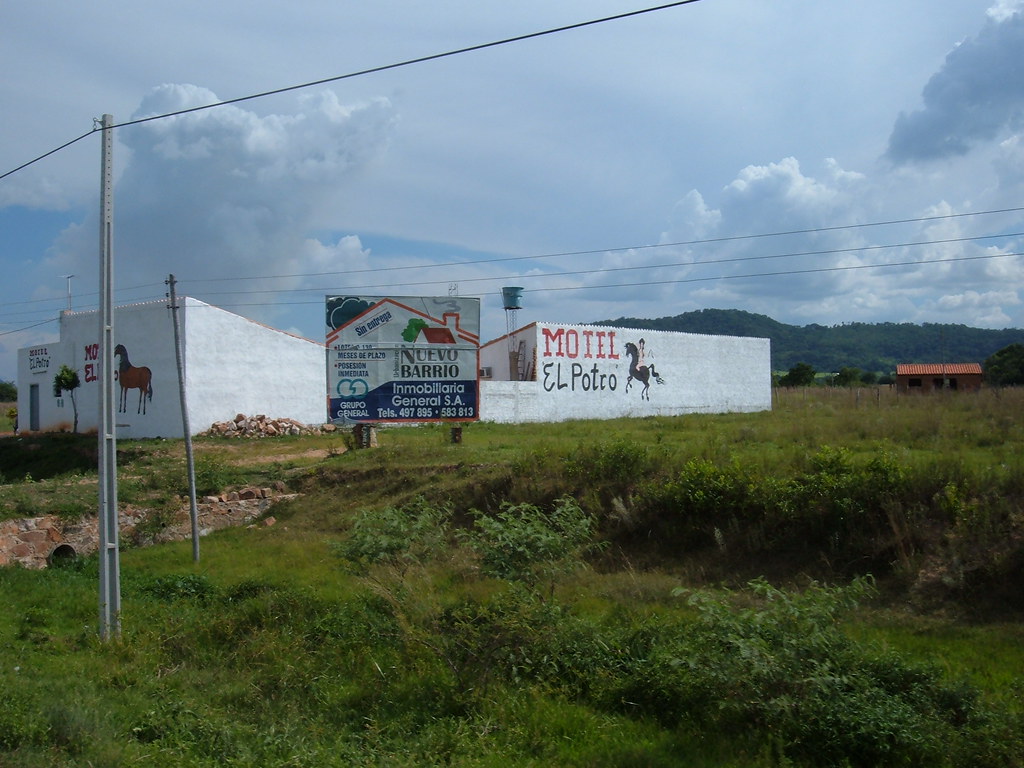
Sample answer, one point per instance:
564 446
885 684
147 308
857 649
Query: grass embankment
426 603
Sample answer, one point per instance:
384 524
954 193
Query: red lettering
562 342
611 346
572 343
553 336
587 335
90 372
92 351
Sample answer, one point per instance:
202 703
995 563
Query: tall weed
782 664
523 542
702 497
616 465
396 536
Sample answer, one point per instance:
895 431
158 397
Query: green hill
868 346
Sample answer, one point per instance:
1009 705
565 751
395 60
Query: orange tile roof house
930 377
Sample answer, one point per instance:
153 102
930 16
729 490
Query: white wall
232 365
146 332
36 368
510 402
583 372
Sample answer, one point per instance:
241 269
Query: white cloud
226 192
827 273
1004 9
650 130
692 215
975 300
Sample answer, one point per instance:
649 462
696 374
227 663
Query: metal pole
68 277
193 512
110 565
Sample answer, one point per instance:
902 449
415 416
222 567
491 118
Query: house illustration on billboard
381 318
420 332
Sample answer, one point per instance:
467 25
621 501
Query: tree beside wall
67 380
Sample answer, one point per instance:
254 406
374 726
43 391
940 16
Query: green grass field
834 582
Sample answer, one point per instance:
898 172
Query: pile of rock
246 494
262 426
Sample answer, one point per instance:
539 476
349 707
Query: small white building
231 365
547 372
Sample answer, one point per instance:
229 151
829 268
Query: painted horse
132 377
642 373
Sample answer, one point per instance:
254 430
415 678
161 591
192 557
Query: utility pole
193 512
110 563
68 278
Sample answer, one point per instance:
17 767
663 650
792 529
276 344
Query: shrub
617 465
507 636
702 497
213 475
20 722
784 666
522 542
403 536
182 586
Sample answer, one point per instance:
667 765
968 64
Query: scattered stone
261 426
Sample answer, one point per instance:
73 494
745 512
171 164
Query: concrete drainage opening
61 555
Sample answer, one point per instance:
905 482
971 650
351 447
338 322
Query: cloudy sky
814 162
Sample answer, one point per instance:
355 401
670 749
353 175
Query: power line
45 155
28 327
618 249
637 284
602 270
787 272
362 72
79 295
553 255
418 60
664 282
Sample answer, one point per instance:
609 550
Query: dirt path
312 453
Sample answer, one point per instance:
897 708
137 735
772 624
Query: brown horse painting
130 377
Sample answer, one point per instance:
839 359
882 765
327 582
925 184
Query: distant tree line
8 392
1003 369
866 347
1006 367
804 375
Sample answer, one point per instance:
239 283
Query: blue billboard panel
402 359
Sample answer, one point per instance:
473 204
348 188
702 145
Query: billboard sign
402 358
